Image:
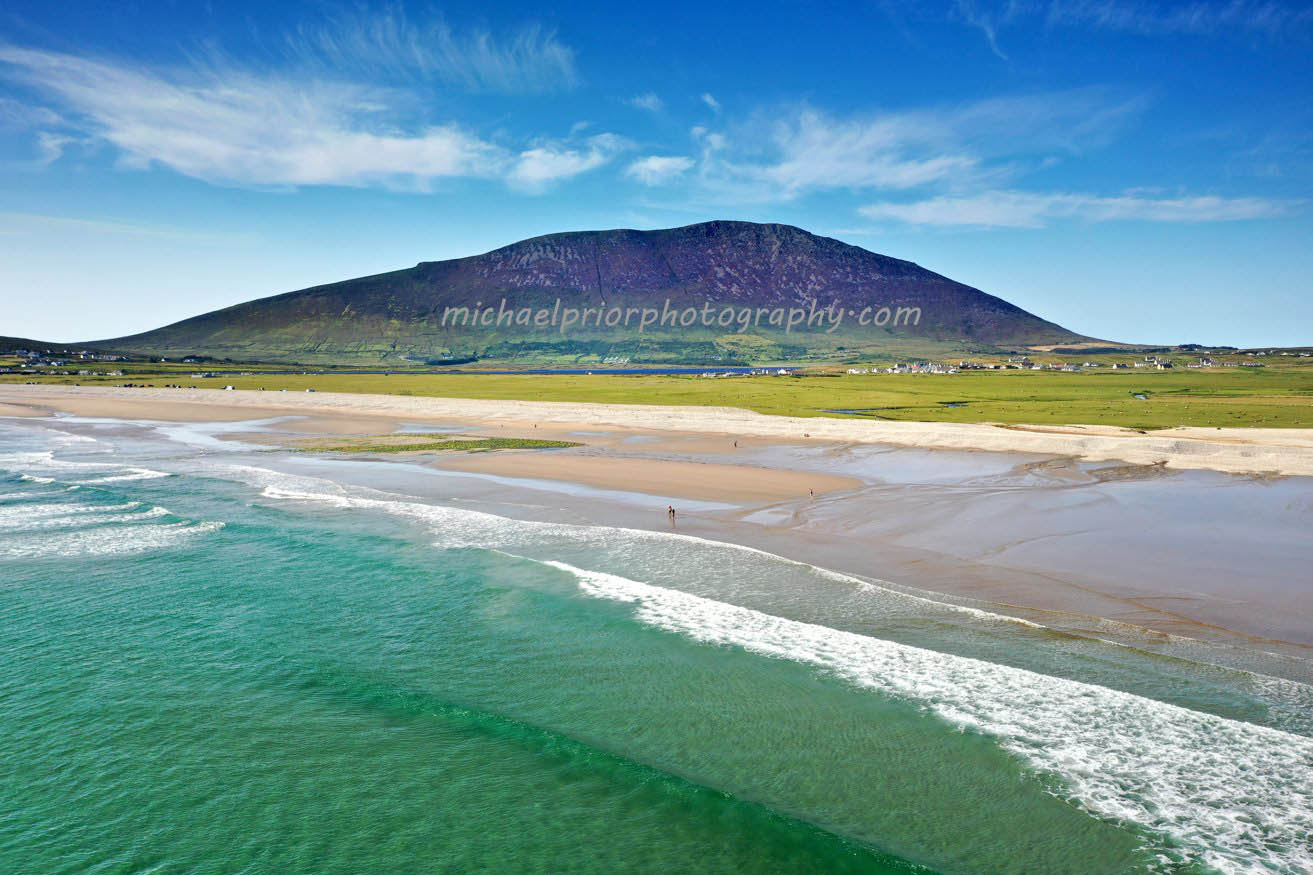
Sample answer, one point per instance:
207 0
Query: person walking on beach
670 512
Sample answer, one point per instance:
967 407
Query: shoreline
833 532
1046 537
1281 452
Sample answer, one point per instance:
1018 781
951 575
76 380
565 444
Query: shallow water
227 660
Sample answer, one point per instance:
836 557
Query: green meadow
1279 395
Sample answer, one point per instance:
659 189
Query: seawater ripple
1239 797
47 463
1227 794
33 527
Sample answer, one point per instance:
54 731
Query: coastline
1043 537
341 584
1226 450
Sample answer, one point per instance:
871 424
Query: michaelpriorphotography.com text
731 317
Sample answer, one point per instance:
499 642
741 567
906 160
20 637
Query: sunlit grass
1277 396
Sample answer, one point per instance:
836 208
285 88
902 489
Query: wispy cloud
950 166
538 168
242 128
816 151
648 101
711 101
984 20
28 223
1018 209
237 126
372 42
659 169
787 153
1199 18
50 147
20 116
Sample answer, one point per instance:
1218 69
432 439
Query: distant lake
685 370
534 371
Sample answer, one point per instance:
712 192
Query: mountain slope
720 265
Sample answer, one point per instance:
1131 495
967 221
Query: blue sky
1134 171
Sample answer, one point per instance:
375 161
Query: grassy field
727 350
1279 395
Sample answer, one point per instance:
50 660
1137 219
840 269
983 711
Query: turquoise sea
220 660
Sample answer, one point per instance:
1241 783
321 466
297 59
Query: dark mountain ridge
722 264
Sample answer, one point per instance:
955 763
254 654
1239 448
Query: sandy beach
703 481
1231 450
1071 528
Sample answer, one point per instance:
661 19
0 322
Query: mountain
9 344
716 268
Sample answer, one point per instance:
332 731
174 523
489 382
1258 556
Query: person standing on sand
670 512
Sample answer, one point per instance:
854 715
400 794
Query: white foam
108 541
136 474
77 520
36 457
46 461
1239 797
40 511
460 527
68 437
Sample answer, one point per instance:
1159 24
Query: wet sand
703 481
21 410
1106 548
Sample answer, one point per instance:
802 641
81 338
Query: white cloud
648 101
816 151
236 127
50 147
1017 209
982 20
658 169
711 141
536 169
530 60
711 101
19 115
788 153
